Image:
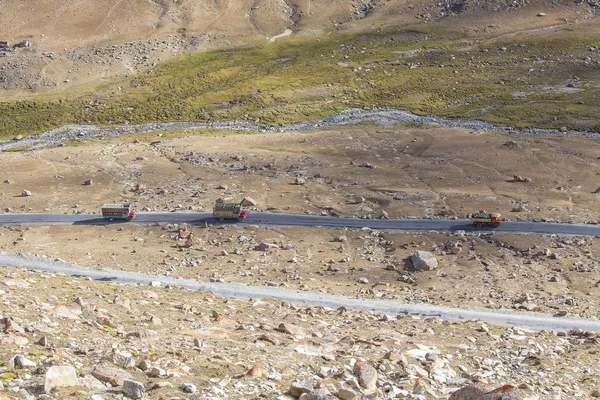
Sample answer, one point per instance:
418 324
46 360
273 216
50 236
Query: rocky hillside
65 338
53 45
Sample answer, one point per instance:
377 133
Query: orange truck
481 219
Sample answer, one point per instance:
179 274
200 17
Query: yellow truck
224 211
482 218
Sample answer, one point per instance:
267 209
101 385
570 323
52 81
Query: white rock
19 361
424 260
60 376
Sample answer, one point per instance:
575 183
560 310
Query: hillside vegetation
542 74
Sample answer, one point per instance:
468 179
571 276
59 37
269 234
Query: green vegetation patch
546 81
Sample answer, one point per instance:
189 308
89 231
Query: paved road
271 219
229 289
535 321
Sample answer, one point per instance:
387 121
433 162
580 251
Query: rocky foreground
66 338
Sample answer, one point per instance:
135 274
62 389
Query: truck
482 218
118 211
224 211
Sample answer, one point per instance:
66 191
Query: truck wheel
111 219
496 225
221 219
479 225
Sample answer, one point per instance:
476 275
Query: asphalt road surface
534 321
273 219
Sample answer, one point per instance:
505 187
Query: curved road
534 321
271 219
390 307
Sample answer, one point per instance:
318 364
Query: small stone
88 182
26 193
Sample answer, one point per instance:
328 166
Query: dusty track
534 321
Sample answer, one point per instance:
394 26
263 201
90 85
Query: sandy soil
350 171
436 172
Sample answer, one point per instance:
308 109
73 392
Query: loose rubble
310 352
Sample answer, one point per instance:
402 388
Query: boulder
114 376
20 362
471 392
424 260
189 388
255 371
26 193
248 201
60 376
519 208
347 393
506 392
297 389
519 178
264 246
133 389
290 329
480 391
367 375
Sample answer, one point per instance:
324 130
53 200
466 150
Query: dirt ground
348 171
434 172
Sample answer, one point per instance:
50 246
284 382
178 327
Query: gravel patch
385 117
